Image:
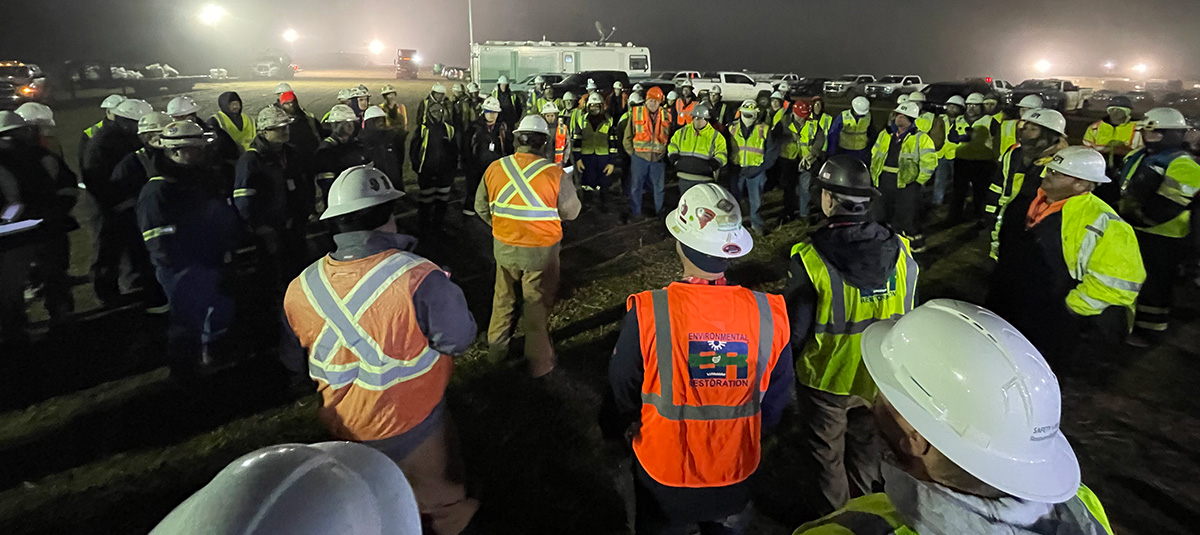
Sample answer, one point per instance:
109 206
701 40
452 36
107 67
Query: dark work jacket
305 133
271 188
489 144
438 155
46 186
131 175
333 157
864 252
104 152
191 217
385 147
223 147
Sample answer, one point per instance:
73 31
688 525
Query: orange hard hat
654 94
802 109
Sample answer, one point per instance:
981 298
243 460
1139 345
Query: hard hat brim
1102 179
1054 479
740 238
359 204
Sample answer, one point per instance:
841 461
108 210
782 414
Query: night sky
940 40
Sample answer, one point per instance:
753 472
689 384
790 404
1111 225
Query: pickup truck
894 85
848 85
1056 94
735 86
577 83
20 83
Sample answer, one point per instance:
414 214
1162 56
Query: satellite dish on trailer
600 30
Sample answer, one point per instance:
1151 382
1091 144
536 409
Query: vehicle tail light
28 90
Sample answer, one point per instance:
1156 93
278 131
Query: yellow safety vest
980 146
1008 135
807 135
1180 183
854 131
91 131
595 142
917 161
959 126
832 358
705 144
790 148
925 121
1100 134
825 122
241 136
749 152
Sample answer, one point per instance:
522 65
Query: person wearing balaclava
238 125
434 154
1159 184
305 132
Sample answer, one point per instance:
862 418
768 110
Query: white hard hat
956 100
457 88
502 81
860 105
672 95
36 113
386 89
1031 102
636 98
916 96
618 85
533 123
777 95
491 104
282 88
272 117
715 89
975 98
548 107
133 109
909 109
638 87
11 121
749 108
687 82
181 106
184 133
709 220
472 87
1080 162
341 113
438 87
979 392
595 98
1164 119
302 489
344 94
153 122
360 91
374 112
539 80
111 101
591 85
902 99
1051 119
358 188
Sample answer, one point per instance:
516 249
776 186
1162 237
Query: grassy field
97 441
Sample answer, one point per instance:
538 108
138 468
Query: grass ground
97 441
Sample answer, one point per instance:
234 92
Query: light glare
290 35
376 47
1042 66
212 14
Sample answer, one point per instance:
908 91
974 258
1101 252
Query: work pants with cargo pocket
538 289
900 208
119 238
1163 258
433 198
202 311
970 177
842 448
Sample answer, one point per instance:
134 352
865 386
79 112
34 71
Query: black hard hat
1120 101
846 175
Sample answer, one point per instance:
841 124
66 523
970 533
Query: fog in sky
937 39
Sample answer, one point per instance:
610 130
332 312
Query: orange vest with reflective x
708 353
651 132
523 194
683 112
562 134
377 375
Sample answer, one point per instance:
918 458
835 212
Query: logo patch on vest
718 359
887 291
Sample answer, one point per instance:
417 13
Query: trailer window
639 63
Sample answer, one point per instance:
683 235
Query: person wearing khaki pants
525 198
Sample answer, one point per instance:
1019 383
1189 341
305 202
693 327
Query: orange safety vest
707 352
562 135
650 135
683 114
377 375
523 194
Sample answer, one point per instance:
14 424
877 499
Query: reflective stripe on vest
1008 134
749 152
425 142
650 134
374 369
519 187
831 359
91 131
854 131
242 136
561 135
664 401
684 113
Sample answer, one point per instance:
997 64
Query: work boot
497 353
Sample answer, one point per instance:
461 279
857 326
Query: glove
608 169
12 212
579 165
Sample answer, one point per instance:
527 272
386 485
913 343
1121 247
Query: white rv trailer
518 59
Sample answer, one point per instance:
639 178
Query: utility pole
470 24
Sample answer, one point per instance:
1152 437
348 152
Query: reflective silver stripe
849 328
1088 245
700 155
664 401
1179 186
525 213
1096 304
1153 310
1119 284
519 179
910 280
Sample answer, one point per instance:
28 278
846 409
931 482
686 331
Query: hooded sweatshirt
224 101
864 252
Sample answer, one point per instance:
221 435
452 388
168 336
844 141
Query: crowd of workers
1089 242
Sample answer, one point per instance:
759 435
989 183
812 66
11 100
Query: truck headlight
888 90
28 90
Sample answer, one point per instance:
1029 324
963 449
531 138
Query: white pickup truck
735 86
1061 95
894 85
849 85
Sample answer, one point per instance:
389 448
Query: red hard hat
654 94
802 109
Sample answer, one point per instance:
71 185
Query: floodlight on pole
1042 65
290 35
1109 65
376 47
1140 68
212 14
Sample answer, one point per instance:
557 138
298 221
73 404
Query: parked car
938 93
20 83
791 78
894 85
848 85
996 85
1060 95
550 78
577 83
273 67
806 87
735 86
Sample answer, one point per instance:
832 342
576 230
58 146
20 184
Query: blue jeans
641 171
805 191
942 176
753 188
